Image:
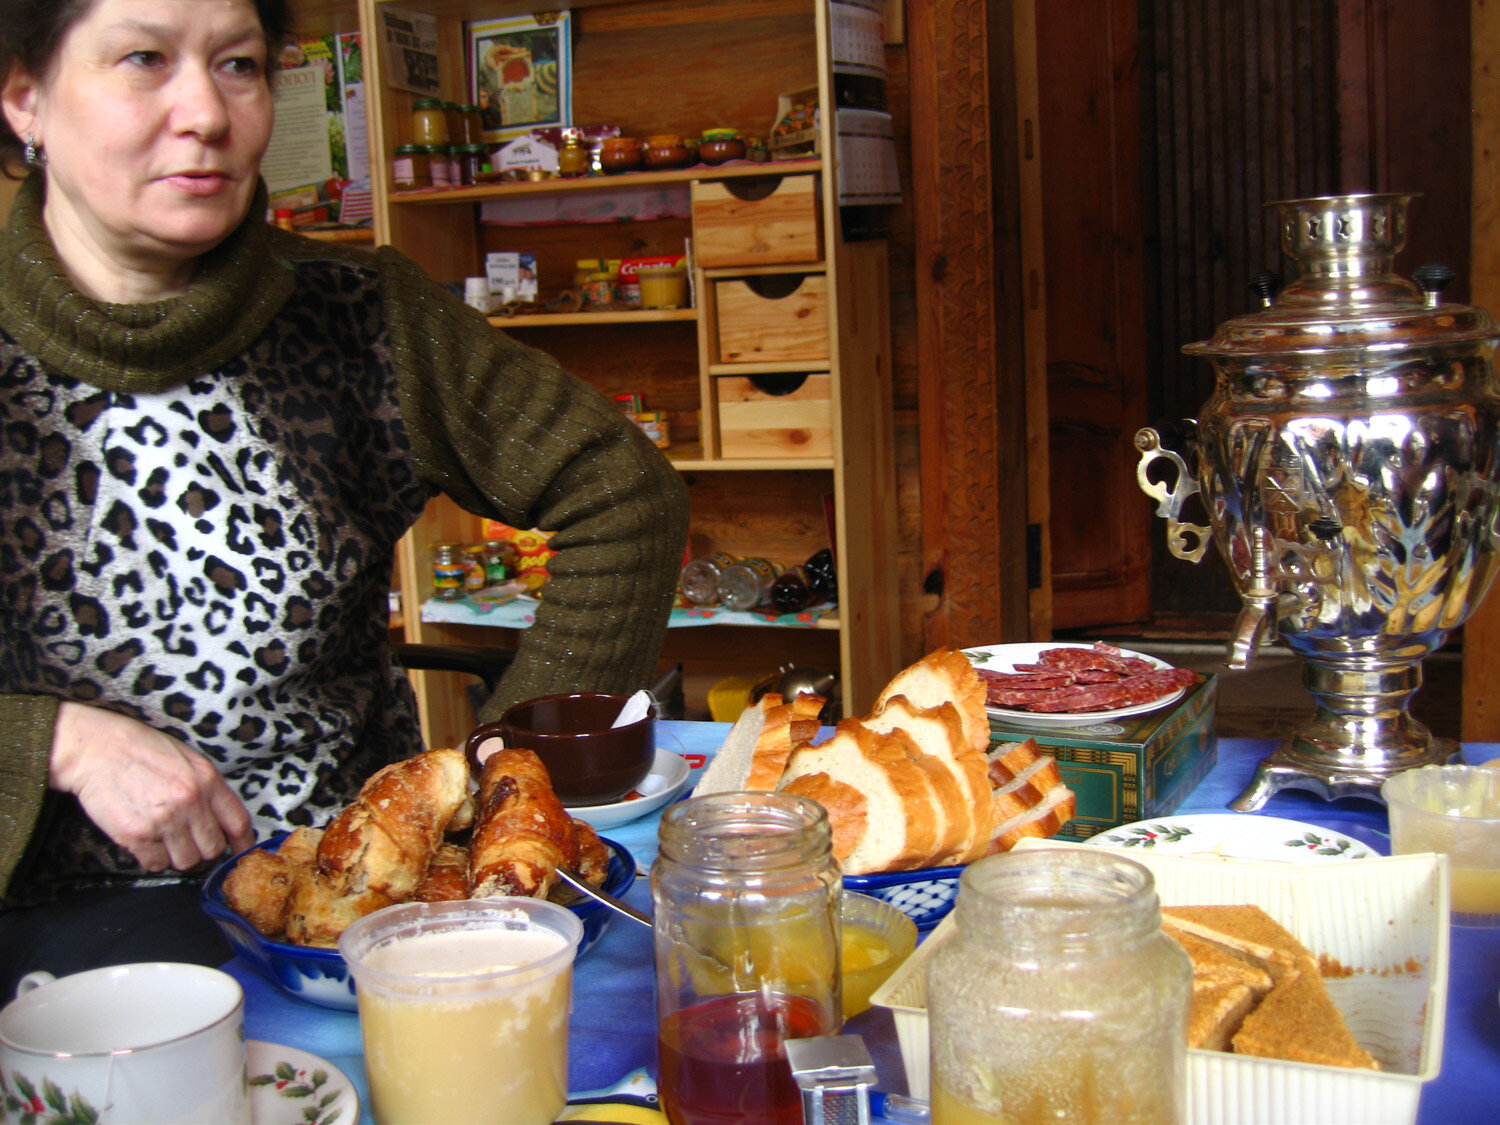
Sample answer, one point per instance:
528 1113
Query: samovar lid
1346 296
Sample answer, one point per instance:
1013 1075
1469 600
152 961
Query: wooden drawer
774 318
755 421
756 221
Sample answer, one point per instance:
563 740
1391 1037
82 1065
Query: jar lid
601 276
589 264
450 105
664 140
467 108
428 103
721 134
408 150
621 142
476 148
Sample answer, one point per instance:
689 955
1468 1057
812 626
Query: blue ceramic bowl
925 896
320 976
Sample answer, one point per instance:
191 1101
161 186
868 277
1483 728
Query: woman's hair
32 30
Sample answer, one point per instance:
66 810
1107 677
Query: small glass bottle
1059 989
437 165
499 556
746 897
448 572
471 125
573 159
474 569
747 584
822 577
429 123
700 578
792 592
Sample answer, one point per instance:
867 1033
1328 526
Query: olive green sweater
467 411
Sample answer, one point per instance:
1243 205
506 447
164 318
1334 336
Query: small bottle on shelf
822 577
447 572
792 592
700 578
747 584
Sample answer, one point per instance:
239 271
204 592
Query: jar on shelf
447 572
666 150
411 169
437 165
499 561
747 584
455 123
620 154
757 150
471 163
585 268
471 125
474 571
700 577
574 158
599 290
1058 988
720 145
745 893
429 122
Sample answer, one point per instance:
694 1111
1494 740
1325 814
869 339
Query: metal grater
834 1073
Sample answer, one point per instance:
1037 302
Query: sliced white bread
787 726
903 817
945 675
1043 819
729 769
962 781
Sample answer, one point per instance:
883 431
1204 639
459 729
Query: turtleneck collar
239 287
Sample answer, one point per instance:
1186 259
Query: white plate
669 773
1004 658
292 1087
1235 836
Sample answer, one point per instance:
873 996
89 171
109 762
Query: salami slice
1052 678
1077 659
1132 690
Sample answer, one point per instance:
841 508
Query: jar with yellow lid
720 145
429 122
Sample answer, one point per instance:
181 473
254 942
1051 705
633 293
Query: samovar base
1286 768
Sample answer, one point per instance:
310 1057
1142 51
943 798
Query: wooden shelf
479 193
612 316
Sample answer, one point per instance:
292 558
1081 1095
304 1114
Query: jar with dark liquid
746 896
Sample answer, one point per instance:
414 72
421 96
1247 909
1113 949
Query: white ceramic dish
1004 658
292 1087
1369 917
1234 836
669 773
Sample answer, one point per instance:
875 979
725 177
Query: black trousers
91 929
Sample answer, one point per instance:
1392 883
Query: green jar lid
409 150
427 103
466 108
476 148
721 134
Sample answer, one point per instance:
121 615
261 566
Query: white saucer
292 1087
1234 836
669 773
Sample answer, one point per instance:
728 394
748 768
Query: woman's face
154 117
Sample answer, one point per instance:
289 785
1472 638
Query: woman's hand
146 790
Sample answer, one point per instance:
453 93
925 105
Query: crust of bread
1042 820
957 770
787 725
903 827
730 766
1215 1013
848 811
945 675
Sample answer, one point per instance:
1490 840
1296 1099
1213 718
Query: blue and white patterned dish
321 977
925 895
1234 836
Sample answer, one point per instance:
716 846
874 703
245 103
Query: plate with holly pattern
292 1087
1234 836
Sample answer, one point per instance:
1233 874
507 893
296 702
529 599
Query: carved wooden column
970 321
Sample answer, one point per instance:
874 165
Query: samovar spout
1258 616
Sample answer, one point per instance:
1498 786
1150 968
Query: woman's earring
34 154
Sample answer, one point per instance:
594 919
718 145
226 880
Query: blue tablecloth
613 1025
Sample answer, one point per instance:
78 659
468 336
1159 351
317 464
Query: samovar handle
1185 540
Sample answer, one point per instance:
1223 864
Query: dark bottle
792 592
822 577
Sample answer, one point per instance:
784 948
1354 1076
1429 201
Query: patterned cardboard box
1129 769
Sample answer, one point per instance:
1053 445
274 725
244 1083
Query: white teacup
159 1042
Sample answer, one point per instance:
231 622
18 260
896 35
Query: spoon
609 900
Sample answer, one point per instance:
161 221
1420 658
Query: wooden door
1089 143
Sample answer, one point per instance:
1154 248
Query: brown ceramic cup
590 762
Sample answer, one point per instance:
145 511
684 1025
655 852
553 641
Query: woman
212 434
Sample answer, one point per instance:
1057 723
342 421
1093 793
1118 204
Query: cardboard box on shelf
1129 769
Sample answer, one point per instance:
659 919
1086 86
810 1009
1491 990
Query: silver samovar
1348 461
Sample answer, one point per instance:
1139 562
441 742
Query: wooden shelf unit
664 66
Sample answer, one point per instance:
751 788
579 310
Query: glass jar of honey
746 896
573 159
1059 989
429 123
471 125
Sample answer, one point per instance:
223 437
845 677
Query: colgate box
1131 768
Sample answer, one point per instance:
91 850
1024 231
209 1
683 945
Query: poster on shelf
300 152
409 42
520 73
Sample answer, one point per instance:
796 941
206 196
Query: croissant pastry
384 841
522 833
